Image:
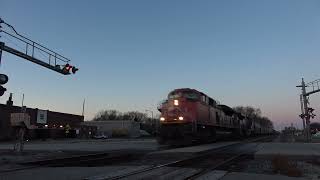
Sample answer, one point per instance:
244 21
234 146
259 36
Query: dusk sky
132 53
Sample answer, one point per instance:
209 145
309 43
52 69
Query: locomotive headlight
162 119
180 118
176 102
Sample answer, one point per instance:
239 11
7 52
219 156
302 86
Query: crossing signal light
74 70
2 90
3 80
68 69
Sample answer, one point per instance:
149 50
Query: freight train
189 115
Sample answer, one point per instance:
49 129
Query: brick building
49 125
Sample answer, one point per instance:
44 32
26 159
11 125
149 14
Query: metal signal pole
302 112
305 105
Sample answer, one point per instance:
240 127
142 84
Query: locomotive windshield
191 96
174 95
187 94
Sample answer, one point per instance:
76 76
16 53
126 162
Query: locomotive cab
179 106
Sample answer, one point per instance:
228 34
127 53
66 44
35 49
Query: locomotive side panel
213 116
202 114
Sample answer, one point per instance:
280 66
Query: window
204 99
174 95
191 96
212 102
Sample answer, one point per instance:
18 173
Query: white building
114 128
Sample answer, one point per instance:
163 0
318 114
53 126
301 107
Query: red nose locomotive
189 115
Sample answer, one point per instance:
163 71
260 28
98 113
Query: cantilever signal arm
32 59
60 63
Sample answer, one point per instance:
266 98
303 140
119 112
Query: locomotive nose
175 113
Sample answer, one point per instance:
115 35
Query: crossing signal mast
306 111
32 52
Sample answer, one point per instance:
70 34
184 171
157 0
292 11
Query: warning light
74 70
68 69
3 80
2 90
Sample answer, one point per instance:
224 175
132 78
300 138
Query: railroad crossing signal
49 58
52 59
307 112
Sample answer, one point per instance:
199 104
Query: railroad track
217 165
102 159
95 159
187 161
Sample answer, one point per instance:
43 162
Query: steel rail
216 166
229 160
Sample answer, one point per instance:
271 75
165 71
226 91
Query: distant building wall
110 127
54 120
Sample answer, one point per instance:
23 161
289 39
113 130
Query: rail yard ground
145 159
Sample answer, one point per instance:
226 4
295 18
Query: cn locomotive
189 115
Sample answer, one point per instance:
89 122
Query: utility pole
152 120
84 102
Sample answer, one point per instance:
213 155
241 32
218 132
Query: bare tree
106 115
254 114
